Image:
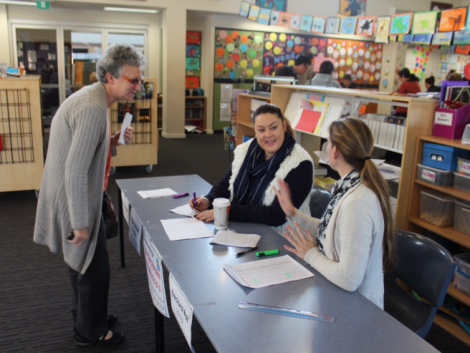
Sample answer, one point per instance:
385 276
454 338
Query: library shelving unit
418 225
244 122
21 154
143 150
419 122
195 111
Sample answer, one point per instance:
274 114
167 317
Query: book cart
143 150
21 151
416 224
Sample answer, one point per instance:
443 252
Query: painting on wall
244 8
238 54
461 37
383 29
193 37
352 7
453 19
365 26
192 82
418 59
284 19
424 22
306 23
318 25
275 17
462 49
401 24
294 22
192 64
444 38
348 25
193 50
254 13
282 49
361 60
332 25
280 5
422 38
264 16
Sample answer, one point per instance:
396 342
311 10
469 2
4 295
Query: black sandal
116 338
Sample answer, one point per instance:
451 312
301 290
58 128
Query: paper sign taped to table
154 263
125 207
135 230
182 309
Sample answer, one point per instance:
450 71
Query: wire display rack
15 127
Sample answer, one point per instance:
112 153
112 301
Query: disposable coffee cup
221 210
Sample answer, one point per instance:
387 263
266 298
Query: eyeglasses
134 81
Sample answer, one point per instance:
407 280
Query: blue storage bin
440 156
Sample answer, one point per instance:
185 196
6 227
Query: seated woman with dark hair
325 77
256 168
409 84
429 83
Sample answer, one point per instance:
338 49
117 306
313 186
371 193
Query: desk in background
197 267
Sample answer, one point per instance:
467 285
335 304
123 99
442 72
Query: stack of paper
228 238
152 194
263 273
185 228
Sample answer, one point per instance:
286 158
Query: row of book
141 114
194 113
388 131
456 95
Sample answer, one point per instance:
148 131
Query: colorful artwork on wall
401 23
422 38
453 19
444 38
294 22
332 25
244 8
365 26
383 29
318 25
192 64
306 23
264 16
192 82
284 19
461 37
361 60
254 13
280 5
462 49
282 49
348 25
418 61
193 50
424 22
193 37
275 15
238 54
352 7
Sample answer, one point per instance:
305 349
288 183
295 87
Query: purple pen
180 195
194 199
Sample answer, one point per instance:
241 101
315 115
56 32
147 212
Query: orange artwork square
453 19
192 82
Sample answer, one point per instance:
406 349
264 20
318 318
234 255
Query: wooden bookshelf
244 121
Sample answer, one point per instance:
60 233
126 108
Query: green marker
268 252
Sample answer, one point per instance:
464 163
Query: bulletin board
282 49
361 60
238 54
418 62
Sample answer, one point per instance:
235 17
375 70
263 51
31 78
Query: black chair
319 199
427 268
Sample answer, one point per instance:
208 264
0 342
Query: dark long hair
354 140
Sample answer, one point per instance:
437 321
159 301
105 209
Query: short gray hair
115 57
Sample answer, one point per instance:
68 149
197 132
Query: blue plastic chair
319 199
427 268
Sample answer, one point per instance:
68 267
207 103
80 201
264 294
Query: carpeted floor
35 292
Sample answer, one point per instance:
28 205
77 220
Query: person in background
448 74
325 77
300 67
429 83
347 82
69 212
409 84
307 75
352 244
256 168
454 77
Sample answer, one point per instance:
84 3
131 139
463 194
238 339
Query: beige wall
4 38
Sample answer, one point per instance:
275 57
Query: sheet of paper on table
263 273
228 238
185 210
152 194
185 228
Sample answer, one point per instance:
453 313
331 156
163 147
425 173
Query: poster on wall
282 49
453 19
280 5
417 60
383 29
424 22
238 54
352 7
348 25
193 37
401 24
365 26
361 60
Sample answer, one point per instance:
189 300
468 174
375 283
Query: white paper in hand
125 124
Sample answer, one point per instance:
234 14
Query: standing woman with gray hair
69 217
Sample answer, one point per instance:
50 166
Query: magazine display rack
21 143
143 150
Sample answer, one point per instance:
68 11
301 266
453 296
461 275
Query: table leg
121 228
159 332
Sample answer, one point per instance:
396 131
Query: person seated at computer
325 77
300 67
409 84
429 83
352 244
347 82
256 168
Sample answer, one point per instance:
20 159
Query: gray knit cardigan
71 191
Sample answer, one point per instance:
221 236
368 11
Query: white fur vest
297 156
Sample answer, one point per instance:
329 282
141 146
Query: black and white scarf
256 173
341 187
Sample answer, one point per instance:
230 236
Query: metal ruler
286 312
